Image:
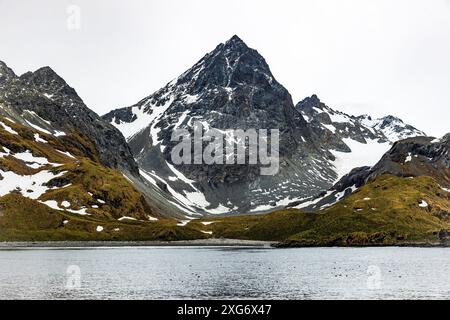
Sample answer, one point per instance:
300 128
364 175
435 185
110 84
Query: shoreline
282 245
199 243
118 244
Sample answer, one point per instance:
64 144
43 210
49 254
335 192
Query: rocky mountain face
44 101
50 190
412 157
230 88
65 174
56 152
53 172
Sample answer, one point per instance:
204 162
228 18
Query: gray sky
377 57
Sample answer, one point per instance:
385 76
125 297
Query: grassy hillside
80 179
23 219
389 210
80 195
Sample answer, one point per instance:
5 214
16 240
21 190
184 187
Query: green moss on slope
23 219
103 191
83 183
385 211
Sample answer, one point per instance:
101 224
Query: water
225 273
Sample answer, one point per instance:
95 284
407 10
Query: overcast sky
377 57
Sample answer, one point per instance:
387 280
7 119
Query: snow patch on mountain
38 138
362 154
32 161
182 202
30 186
8 128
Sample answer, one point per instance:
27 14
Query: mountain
68 174
411 157
354 140
402 200
389 210
53 189
343 126
44 101
64 171
231 88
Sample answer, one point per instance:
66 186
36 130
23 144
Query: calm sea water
225 273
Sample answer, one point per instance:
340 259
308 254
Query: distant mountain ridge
342 125
367 139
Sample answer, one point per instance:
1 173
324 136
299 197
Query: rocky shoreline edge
106 244
206 243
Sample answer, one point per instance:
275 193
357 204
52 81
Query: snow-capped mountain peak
232 87
228 71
